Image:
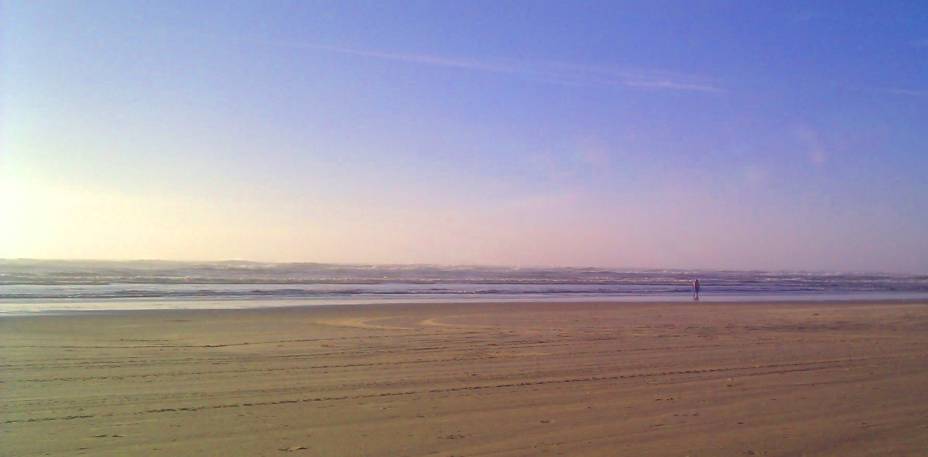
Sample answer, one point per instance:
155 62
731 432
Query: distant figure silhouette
696 289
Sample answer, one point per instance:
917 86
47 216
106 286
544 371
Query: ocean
29 286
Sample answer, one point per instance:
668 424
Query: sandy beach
684 379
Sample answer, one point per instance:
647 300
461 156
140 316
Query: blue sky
649 134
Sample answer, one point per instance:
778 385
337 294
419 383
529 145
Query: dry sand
836 379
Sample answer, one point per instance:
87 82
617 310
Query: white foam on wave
73 284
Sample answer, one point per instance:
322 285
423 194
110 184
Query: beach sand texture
622 379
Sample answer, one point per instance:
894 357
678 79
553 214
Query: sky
690 134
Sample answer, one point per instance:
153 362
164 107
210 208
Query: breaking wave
236 280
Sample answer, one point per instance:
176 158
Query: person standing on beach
696 289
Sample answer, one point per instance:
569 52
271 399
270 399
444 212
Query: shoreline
77 306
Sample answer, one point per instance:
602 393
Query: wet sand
821 379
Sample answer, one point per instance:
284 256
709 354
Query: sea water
28 286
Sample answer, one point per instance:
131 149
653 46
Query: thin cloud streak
909 92
888 90
547 72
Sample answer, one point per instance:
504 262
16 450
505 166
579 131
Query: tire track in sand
761 370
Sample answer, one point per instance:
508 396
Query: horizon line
468 265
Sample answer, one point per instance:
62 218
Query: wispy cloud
667 84
804 16
902 91
541 71
422 59
887 90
